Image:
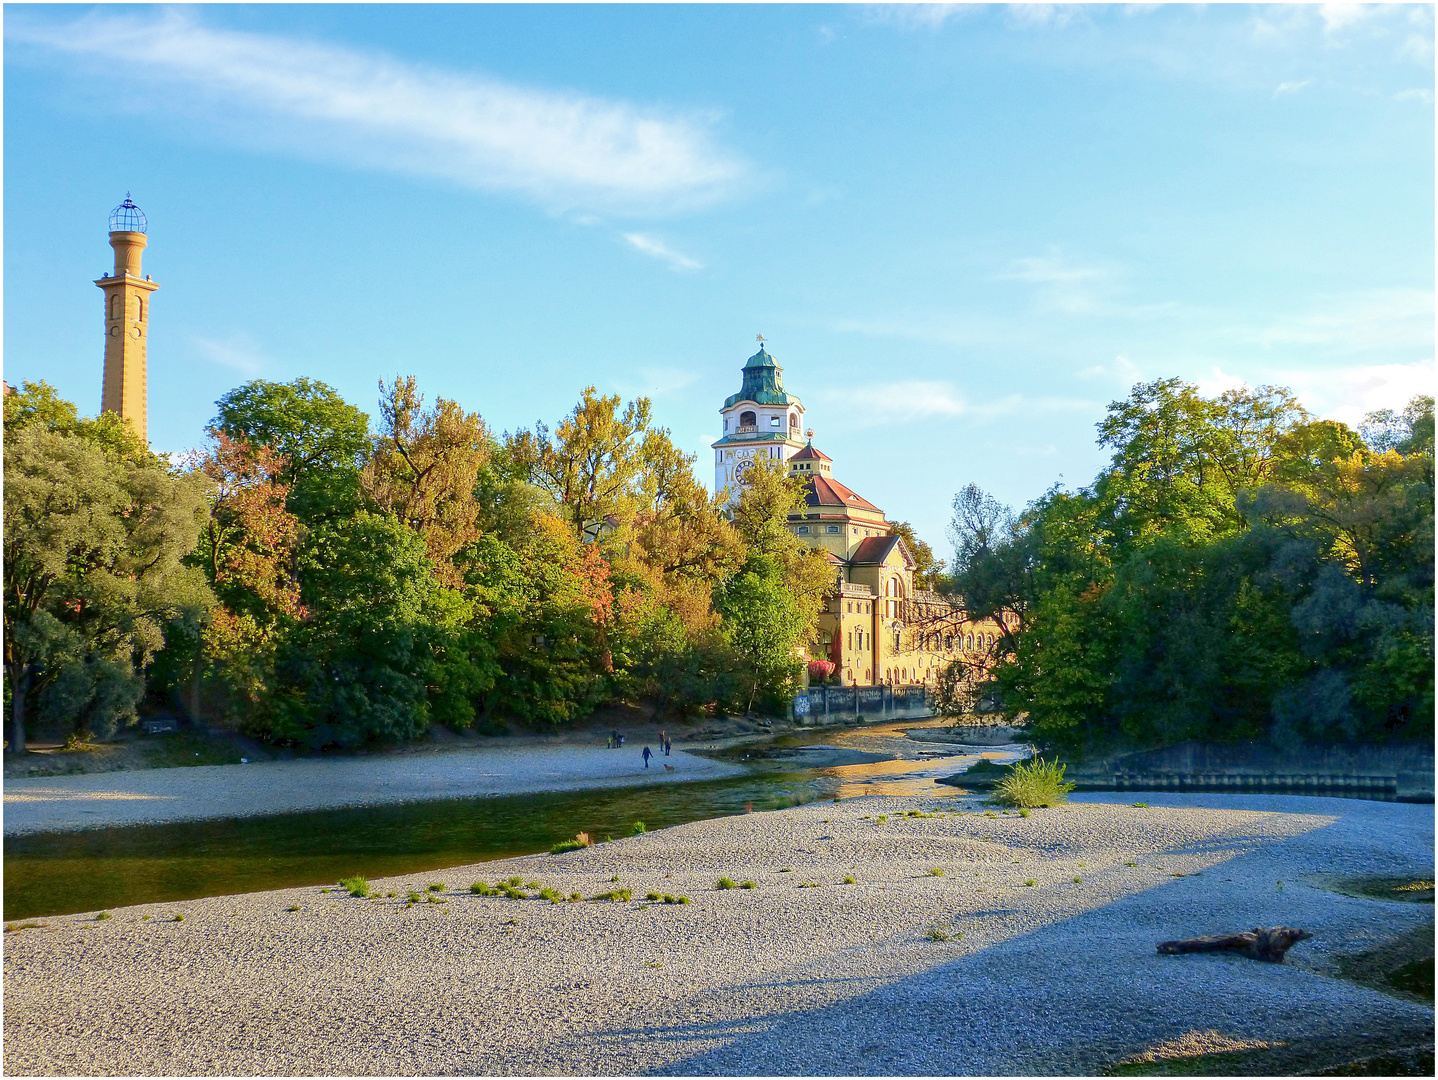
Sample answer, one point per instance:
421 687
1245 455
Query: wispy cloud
651 245
1337 17
1417 94
1122 370
916 16
1291 87
918 399
1373 319
563 149
1341 393
237 352
1063 284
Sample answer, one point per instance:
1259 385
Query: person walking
664 743
667 744
646 757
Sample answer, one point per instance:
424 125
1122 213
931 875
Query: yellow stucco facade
127 323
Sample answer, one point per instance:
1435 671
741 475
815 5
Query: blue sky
962 230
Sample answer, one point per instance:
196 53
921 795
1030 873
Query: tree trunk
19 690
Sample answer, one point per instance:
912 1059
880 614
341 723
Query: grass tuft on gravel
1033 783
725 883
355 886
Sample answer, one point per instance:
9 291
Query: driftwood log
1258 943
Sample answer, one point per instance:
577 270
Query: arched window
897 646
794 421
970 641
949 642
140 308
903 674
748 419
991 641
114 305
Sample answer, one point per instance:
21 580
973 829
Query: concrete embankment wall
1400 772
820 705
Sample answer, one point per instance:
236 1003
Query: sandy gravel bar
150 796
1058 977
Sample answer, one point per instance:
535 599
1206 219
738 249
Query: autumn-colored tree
424 468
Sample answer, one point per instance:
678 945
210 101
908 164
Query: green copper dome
763 383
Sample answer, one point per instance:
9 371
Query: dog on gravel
669 768
1258 943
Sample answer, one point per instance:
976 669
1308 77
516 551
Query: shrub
938 933
653 896
534 885
389 894
1033 783
414 897
637 828
614 878
515 882
937 871
515 894
620 896
1023 811
574 898
1078 881
479 888
433 899
567 845
355 886
1141 805
102 916
1030 883
990 813
551 894
436 886
724 883
850 881
882 817
293 907
748 885
787 870
179 916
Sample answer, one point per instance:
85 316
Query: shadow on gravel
1081 995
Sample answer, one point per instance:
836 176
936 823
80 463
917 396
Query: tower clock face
741 471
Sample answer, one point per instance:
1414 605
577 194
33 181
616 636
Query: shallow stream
62 873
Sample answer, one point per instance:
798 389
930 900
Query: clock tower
127 320
760 421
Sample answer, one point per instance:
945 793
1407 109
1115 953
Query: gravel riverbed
1041 974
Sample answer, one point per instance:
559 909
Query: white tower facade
760 421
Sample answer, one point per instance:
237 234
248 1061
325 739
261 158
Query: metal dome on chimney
127 217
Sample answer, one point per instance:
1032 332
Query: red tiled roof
823 491
810 454
873 550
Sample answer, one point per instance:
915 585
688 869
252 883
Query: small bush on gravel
787 870
414 897
567 845
101 916
619 896
724 883
553 895
1141 805
515 882
882 817
614 878
1030 883
653 896
937 871
11 928
479 888
1130 864
637 828
1024 812
990 813
808 885
574 898
534 885
179 916
850 881
515 894
389 894
436 886
355 886
1078 881
1033 783
748 885
293 907
938 933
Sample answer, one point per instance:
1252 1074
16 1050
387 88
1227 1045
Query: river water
63 873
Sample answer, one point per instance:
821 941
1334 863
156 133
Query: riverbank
1032 953
155 796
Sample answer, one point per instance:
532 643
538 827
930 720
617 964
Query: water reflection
50 874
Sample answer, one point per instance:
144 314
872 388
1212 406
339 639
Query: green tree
928 569
323 439
93 546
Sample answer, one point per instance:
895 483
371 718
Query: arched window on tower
140 308
748 419
114 305
793 421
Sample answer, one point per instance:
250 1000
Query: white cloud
658 249
1340 16
1425 96
1344 394
1043 14
1291 87
563 149
237 352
